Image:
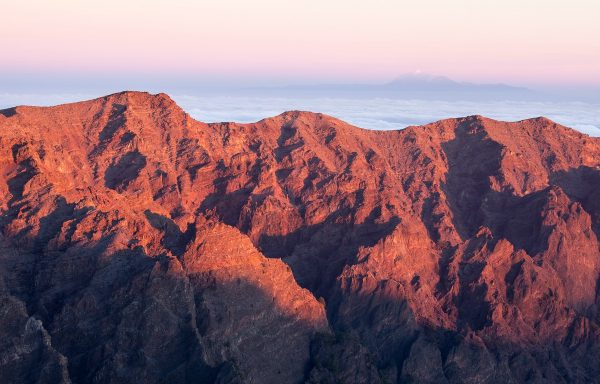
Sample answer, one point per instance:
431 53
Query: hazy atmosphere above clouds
206 54
523 42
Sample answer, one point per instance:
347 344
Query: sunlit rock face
140 245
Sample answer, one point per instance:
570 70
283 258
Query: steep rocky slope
141 245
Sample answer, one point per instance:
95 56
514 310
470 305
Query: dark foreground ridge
140 245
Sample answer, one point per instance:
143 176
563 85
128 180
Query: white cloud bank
391 113
375 113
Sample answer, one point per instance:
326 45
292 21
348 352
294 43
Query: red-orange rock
141 245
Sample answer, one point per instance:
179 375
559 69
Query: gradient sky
526 42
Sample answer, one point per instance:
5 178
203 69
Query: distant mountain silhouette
425 82
422 86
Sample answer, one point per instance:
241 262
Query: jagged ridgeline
140 245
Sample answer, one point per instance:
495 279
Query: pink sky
527 42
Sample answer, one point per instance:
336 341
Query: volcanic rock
140 245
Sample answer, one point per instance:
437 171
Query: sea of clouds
391 113
376 113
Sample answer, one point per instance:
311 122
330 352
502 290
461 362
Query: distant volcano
418 86
424 82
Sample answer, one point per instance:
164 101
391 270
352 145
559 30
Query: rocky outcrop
141 245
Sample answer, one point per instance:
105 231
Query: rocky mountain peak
139 244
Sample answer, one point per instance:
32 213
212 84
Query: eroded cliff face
141 245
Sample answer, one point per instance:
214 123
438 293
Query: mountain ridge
164 97
141 244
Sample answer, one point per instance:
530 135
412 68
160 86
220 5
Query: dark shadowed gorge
140 245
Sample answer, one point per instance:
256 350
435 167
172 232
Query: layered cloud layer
375 113
391 113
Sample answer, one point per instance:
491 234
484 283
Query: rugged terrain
140 245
